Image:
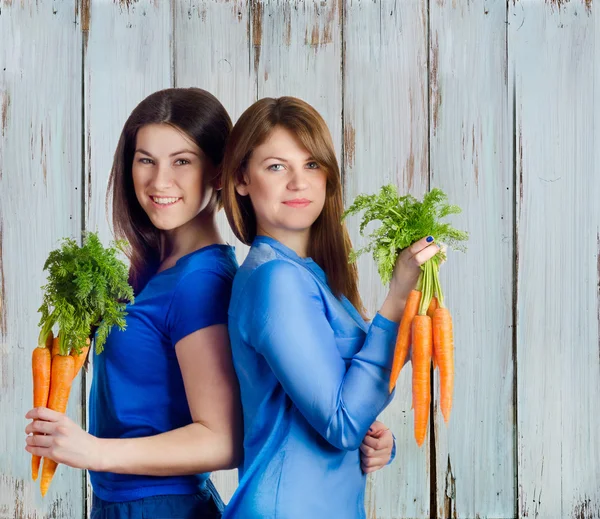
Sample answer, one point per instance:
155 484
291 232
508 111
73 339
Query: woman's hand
376 448
59 438
405 276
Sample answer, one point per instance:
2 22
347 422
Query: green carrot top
87 287
405 220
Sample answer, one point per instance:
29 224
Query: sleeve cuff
393 454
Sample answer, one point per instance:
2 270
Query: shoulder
216 259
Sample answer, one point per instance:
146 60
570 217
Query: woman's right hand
405 276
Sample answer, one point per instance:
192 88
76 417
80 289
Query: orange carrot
60 387
81 358
421 362
432 306
40 367
443 345
404 335
55 346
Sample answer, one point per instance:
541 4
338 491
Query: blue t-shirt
137 388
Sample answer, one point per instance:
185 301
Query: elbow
234 455
231 452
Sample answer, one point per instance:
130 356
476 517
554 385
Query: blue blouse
313 378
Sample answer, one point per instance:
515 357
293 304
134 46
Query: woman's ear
242 188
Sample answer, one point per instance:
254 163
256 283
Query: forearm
192 449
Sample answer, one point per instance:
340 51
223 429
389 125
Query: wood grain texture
471 161
297 51
226 72
557 184
385 141
40 203
127 56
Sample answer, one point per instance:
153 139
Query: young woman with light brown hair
313 373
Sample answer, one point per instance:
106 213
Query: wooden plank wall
494 102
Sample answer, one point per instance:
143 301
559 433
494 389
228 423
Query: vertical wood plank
385 141
40 203
297 51
127 56
471 161
554 46
115 81
226 72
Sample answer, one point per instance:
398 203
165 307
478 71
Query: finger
38 451
43 413
366 450
377 443
377 427
426 254
420 245
369 470
39 440
40 427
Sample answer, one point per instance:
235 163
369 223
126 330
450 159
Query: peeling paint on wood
126 4
450 494
5 107
3 298
436 95
85 10
257 21
349 144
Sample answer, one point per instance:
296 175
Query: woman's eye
145 160
276 167
182 162
313 165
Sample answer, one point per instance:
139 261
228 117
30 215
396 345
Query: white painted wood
385 141
226 72
40 203
297 51
470 143
127 56
558 180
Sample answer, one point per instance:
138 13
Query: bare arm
212 442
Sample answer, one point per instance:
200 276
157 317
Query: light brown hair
329 242
200 116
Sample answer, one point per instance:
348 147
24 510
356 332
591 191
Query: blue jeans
205 504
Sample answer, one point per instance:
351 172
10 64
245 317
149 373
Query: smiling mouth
164 201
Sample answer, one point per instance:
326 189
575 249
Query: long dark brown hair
329 242
199 115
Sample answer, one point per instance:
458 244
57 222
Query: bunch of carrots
53 375
426 326
86 294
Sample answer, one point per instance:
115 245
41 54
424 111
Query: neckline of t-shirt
223 246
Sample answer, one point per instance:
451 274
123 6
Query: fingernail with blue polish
429 239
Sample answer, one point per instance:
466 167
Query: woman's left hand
60 439
376 448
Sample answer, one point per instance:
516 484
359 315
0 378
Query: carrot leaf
404 220
87 288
